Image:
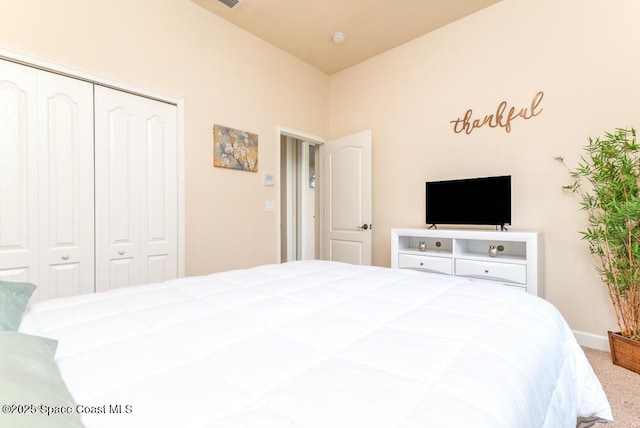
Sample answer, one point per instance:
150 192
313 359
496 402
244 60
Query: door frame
75 73
319 141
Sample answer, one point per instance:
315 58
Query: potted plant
607 179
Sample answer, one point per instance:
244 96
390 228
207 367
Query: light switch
268 206
268 180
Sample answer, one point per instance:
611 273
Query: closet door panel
18 173
117 190
121 185
136 190
65 186
123 272
160 189
64 279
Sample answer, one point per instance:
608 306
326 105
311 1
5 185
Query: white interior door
46 181
48 232
65 186
18 173
136 189
347 190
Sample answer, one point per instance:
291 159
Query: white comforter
319 344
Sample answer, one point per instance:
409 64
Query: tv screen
471 201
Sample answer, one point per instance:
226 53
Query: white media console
517 256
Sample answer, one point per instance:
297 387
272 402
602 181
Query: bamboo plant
607 179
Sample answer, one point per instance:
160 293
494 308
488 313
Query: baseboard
592 340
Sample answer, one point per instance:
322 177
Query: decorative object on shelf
235 149
610 167
502 118
422 246
493 251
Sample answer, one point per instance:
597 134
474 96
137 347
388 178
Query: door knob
365 226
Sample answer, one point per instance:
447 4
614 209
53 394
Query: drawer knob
421 263
486 271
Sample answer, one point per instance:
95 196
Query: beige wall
584 55
225 76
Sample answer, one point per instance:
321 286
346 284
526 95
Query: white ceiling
304 27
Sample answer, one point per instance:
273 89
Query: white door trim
300 135
54 67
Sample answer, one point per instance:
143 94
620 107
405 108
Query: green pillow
31 385
14 297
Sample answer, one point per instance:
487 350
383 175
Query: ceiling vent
229 3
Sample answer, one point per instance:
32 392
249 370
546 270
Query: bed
315 344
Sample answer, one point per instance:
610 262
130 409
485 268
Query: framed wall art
235 149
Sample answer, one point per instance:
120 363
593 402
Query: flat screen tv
470 201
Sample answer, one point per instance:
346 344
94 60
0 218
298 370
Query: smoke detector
229 3
338 37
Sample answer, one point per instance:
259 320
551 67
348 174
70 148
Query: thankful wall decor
501 118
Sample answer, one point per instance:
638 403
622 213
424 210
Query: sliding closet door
136 189
65 184
18 173
46 181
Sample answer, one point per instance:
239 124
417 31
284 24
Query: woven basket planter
624 352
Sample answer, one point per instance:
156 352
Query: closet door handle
121 252
65 256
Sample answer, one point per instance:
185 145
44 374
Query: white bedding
319 344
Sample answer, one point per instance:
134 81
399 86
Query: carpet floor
622 387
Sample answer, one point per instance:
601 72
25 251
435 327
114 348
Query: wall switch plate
268 180
268 206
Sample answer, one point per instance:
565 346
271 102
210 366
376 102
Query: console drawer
506 272
426 263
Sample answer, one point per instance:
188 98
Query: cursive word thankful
502 117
